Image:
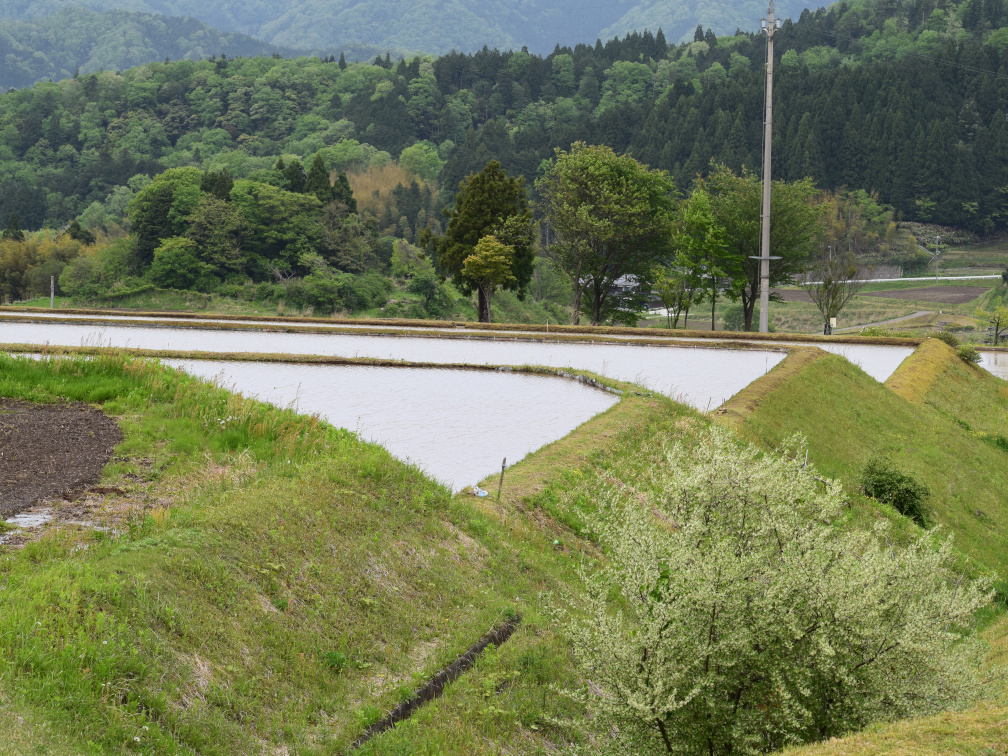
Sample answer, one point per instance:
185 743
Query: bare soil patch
792 295
937 294
51 450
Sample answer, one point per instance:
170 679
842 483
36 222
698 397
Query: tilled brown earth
50 450
936 294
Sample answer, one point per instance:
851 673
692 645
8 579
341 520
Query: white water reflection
456 425
996 362
700 377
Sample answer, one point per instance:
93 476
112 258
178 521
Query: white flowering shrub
734 616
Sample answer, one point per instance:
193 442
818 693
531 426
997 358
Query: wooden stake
501 484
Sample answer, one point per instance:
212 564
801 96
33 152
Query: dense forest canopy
886 97
435 27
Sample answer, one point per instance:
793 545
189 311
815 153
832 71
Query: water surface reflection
456 425
701 377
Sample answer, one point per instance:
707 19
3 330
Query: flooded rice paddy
455 424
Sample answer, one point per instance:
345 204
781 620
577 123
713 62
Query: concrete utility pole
937 240
769 26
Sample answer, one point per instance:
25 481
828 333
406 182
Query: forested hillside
435 27
76 40
914 111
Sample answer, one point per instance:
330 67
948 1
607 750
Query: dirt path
893 321
50 450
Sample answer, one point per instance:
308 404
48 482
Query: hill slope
432 26
848 418
84 41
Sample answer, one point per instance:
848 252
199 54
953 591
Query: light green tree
609 217
176 264
700 244
996 318
489 267
737 614
795 228
422 159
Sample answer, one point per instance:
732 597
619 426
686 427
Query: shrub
734 616
876 331
734 317
175 264
883 482
949 338
968 353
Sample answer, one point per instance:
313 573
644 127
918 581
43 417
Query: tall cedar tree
317 182
13 230
488 203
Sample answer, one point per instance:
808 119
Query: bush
968 353
947 337
734 615
176 265
876 331
734 317
883 482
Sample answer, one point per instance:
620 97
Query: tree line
901 99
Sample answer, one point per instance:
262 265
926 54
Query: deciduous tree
831 281
795 228
609 217
489 267
736 614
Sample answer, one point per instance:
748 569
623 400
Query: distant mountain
437 26
84 41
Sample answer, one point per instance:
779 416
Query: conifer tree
13 230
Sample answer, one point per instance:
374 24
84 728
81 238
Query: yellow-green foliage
373 187
849 417
26 266
919 372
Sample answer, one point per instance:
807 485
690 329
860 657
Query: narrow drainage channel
434 687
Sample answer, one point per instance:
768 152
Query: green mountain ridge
76 40
438 26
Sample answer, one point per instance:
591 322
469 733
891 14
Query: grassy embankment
942 421
280 584
505 307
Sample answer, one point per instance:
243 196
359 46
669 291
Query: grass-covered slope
936 418
848 417
967 394
277 584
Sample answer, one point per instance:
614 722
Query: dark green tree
488 203
13 230
317 182
342 61
217 183
294 176
344 194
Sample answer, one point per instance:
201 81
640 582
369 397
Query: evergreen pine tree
342 61
317 182
13 230
343 193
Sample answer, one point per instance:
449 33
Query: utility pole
769 26
937 239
